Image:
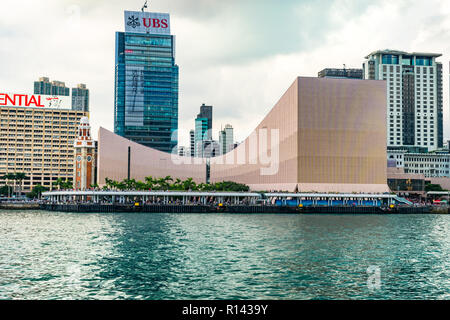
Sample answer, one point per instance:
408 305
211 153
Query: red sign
20 100
156 23
35 101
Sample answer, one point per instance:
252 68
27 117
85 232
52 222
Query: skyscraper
192 143
226 139
146 81
59 89
54 88
206 113
201 135
203 130
414 101
80 98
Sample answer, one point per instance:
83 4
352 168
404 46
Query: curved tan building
144 161
324 135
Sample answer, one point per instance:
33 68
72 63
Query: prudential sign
34 101
147 22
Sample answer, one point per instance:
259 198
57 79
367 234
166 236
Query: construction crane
144 6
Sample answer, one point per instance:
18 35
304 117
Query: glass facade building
54 88
80 98
201 134
146 89
203 130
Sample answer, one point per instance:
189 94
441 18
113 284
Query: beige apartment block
39 143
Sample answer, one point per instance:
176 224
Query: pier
223 198
225 202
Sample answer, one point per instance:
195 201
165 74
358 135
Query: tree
177 185
189 184
149 183
63 184
130 184
9 176
111 184
203 187
37 191
433 187
163 183
5 190
168 183
68 184
20 176
58 183
121 186
141 186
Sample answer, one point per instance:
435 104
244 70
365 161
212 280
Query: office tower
201 135
59 89
341 73
43 86
206 113
146 81
203 130
80 98
192 143
414 101
55 88
226 139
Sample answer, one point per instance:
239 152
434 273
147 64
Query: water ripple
163 256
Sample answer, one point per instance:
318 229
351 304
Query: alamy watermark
257 150
74 275
374 279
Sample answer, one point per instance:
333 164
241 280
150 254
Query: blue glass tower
146 82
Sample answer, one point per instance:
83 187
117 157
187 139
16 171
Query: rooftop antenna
144 6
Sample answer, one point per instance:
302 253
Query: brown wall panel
332 139
342 131
113 161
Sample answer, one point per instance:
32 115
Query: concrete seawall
237 209
19 206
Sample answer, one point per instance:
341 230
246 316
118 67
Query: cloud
238 55
246 31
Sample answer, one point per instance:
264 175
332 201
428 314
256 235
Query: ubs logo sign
147 22
133 22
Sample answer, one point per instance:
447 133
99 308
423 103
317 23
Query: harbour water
52 255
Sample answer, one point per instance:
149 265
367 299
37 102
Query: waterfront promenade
225 202
229 198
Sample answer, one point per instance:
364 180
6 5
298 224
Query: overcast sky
237 55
